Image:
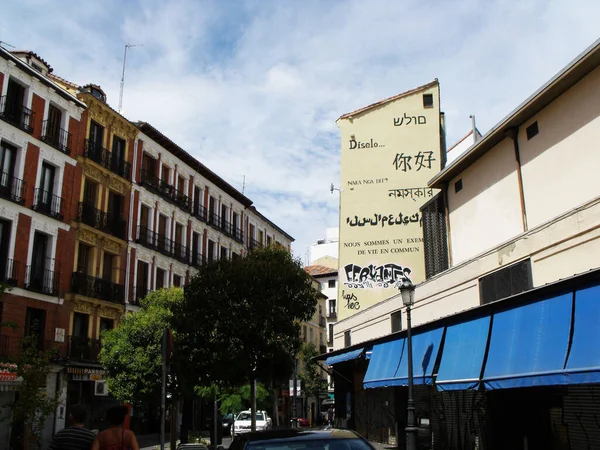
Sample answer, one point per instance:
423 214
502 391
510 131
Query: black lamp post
407 291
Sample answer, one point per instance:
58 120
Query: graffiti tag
385 276
383 220
351 301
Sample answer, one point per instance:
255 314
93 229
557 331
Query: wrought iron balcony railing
164 189
54 135
47 203
200 212
214 220
238 235
106 159
198 259
254 244
83 348
163 245
12 188
332 315
110 223
16 114
11 270
98 288
44 281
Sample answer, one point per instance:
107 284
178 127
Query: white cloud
254 88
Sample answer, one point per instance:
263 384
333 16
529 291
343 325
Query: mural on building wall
389 153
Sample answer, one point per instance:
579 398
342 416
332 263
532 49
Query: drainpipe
513 133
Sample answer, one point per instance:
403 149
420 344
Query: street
225 444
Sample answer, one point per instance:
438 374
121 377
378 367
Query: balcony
10 272
164 189
214 220
98 288
238 235
163 245
254 244
332 315
83 348
12 188
43 281
322 321
330 342
322 348
47 203
106 159
139 292
56 137
200 213
110 223
16 115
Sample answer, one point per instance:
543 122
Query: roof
461 140
62 80
35 55
254 210
180 153
389 100
579 281
317 270
44 80
555 87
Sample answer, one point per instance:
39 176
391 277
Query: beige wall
560 164
487 211
374 144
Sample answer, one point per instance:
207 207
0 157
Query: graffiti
383 220
354 144
422 160
351 301
411 192
415 120
389 275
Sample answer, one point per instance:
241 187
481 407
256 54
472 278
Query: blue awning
425 347
462 358
583 365
383 365
353 354
528 345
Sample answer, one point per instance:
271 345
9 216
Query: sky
252 88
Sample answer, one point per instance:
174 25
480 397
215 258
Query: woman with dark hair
115 437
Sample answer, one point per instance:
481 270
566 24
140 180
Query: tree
240 319
310 375
131 352
31 405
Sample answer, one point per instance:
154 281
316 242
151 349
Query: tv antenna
123 75
333 188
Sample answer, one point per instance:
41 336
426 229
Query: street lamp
407 291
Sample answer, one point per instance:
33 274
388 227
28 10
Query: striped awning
84 371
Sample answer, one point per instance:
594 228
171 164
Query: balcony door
118 155
79 347
107 267
141 282
162 232
15 96
196 257
95 141
6 265
197 200
7 167
115 215
39 278
179 240
35 323
148 168
53 124
46 189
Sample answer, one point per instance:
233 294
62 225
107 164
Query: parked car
242 423
330 439
303 422
227 423
269 420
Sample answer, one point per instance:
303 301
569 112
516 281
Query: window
145 217
269 240
80 324
106 324
435 236
109 267
261 237
84 259
347 339
96 140
427 100
177 280
458 186
330 334
197 201
224 252
181 185
118 156
332 310
44 199
148 169
165 175
304 332
14 102
37 67
40 277
311 334
179 249
52 127
162 233
98 94
35 323
505 282
532 130
396 319
141 282
7 266
90 190
160 278
331 284
211 250
196 250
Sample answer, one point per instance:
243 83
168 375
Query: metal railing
200 212
55 136
332 315
164 189
238 235
16 114
254 244
198 259
44 281
12 188
139 292
162 244
322 321
110 223
47 203
83 348
214 219
11 271
106 159
98 288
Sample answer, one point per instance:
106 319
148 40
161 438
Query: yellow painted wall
388 155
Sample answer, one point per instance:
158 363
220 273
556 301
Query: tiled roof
35 55
317 270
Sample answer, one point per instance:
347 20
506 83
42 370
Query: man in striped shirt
75 437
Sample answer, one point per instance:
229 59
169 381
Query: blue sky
253 88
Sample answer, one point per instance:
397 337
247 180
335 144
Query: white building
326 247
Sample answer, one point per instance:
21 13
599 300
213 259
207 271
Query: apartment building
39 126
506 319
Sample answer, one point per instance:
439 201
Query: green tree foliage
240 319
312 382
236 399
131 352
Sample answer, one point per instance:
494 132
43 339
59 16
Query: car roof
308 435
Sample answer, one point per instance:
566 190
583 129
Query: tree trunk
275 407
253 405
173 425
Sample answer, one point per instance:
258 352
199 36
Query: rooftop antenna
123 75
333 188
244 184
475 132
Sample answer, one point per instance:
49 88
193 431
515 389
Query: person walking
115 437
76 436
330 416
